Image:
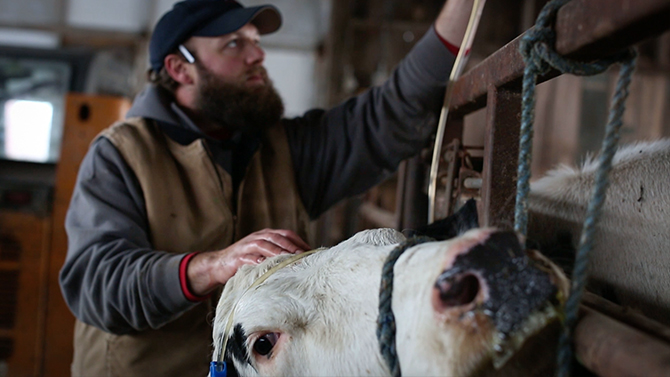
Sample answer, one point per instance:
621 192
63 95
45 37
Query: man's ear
180 71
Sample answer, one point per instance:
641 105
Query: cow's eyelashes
265 343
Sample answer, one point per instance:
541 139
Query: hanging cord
459 64
386 320
539 57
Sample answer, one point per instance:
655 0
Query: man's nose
255 54
498 277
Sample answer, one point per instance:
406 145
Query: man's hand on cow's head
208 270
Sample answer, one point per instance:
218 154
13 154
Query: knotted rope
386 320
537 50
594 211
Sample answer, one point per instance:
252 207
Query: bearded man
204 175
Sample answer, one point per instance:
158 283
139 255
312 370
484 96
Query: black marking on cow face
231 371
236 350
460 222
516 288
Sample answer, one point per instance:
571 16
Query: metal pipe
610 348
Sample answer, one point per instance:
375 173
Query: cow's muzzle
496 277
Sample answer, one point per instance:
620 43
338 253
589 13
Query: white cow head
461 306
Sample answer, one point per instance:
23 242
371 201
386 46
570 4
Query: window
32 101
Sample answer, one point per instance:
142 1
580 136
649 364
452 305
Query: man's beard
236 106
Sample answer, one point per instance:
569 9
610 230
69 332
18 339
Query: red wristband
452 48
183 280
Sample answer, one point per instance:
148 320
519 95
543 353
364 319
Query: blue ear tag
217 369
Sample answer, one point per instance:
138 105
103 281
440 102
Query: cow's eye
264 344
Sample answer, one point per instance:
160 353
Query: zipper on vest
220 179
240 188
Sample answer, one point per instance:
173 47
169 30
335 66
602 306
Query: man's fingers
252 259
293 237
284 243
267 248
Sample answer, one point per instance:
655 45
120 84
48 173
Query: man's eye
232 44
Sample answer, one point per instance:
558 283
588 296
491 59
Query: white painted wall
28 38
30 12
159 8
301 23
293 74
118 15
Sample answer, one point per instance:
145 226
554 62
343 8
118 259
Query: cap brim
265 17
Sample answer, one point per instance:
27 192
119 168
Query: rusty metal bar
585 29
628 316
610 348
588 29
501 153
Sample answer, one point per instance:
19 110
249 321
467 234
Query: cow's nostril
457 290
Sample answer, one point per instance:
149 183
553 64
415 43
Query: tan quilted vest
188 203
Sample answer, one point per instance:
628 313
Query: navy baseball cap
206 18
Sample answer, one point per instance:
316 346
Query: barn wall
571 114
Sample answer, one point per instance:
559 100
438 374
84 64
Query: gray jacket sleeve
112 279
348 149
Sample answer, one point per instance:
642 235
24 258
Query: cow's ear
460 222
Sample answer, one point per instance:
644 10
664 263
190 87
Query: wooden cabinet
24 246
36 327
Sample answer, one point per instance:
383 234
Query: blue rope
594 211
386 320
539 58
534 66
